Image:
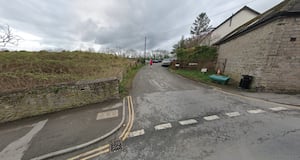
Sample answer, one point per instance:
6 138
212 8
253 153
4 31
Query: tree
181 43
7 36
201 24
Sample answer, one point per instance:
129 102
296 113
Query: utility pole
145 47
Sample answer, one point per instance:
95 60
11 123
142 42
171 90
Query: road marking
137 133
113 107
212 117
16 149
188 122
233 114
278 108
129 125
255 111
163 126
97 154
107 114
98 150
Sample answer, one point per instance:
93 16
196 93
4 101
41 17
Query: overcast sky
80 24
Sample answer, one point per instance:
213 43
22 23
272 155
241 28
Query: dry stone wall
41 100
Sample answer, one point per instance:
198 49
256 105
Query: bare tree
7 36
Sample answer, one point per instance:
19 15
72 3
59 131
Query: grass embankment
126 83
195 75
21 70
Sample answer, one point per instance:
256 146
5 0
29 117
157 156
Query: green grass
126 83
195 75
20 70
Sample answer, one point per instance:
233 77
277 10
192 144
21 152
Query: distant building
267 47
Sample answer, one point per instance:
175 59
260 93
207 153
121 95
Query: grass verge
126 83
195 75
204 78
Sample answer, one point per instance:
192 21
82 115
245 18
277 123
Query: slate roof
287 8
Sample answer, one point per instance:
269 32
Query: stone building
267 47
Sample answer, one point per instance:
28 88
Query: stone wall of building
37 101
270 53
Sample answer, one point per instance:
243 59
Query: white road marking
278 108
137 133
163 126
158 86
212 117
16 149
188 121
233 114
107 114
112 107
255 111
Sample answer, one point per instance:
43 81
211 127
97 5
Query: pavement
72 130
280 98
62 132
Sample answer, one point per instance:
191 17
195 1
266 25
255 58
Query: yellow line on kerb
131 120
106 148
100 149
97 154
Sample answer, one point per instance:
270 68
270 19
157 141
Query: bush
199 53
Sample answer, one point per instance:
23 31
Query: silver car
166 63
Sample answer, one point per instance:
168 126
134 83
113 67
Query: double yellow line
129 124
106 148
93 153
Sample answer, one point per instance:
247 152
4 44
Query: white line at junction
278 108
255 111
163 126
233 114
212 117
188 122
137 133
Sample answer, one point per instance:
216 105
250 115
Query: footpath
62 132
284 99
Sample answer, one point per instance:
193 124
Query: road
218 126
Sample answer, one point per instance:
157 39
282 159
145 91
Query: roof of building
244 8
287 8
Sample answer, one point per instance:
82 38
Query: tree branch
7 36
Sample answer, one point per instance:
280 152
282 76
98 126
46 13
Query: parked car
166 63
155 61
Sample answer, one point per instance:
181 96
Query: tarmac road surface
177 119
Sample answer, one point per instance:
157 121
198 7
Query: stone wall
41 100
268 53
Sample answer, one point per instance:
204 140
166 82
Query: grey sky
113 23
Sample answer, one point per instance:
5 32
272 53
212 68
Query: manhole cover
116 146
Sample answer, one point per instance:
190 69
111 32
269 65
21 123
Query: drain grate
116 146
